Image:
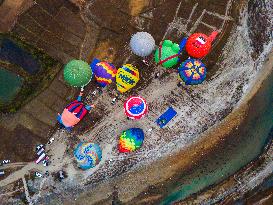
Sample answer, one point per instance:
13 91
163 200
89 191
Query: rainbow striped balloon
130 140
105 73
88 155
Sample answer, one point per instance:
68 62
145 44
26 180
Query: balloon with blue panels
192 71
88 155
105 73
127 77
131 140
135 107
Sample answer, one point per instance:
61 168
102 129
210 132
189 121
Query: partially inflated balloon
127 77
167 54
105 73
131 140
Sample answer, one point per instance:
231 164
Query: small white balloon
142 44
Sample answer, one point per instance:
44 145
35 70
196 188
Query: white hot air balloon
142 44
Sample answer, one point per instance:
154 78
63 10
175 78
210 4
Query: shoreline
129 185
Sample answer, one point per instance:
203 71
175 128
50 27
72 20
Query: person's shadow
115 200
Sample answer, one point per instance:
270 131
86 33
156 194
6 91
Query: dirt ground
117 22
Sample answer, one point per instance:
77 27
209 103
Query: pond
10 85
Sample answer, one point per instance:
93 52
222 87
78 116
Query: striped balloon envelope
127 77
105 73
135 107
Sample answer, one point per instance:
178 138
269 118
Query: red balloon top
198 44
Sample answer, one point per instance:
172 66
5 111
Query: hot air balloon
88 155
167 54
192 72
142 44
77 73
105 73
135 107
131 140
198 45
127 77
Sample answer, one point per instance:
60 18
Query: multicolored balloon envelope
88 155
135 107
105 73
192 72
131 140
77 73
127 77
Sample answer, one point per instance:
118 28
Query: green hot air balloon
77 73
167 54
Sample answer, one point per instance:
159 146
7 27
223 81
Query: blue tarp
166 117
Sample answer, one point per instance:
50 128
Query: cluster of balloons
88 155
78 73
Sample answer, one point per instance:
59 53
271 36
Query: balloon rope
160 48
166 59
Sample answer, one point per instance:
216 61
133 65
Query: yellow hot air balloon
127 77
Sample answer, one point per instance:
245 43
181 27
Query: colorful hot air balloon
135 107
192 72
127 77
88 155
77 73
105 73
198 45
167 54
130 140
142 44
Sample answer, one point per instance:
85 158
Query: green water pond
10 85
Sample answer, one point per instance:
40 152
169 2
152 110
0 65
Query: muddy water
248 141
244 145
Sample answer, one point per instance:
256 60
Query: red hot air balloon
198 44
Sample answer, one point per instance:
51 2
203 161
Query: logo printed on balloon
126 78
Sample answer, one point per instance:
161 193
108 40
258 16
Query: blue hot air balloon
192 72
88 155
